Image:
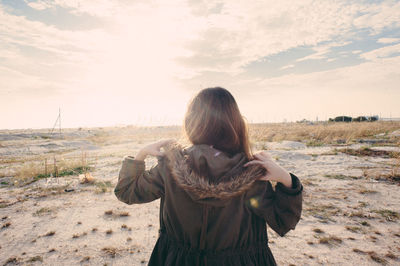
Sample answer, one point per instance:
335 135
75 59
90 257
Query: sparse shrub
111 251
51 233
36 258
330 240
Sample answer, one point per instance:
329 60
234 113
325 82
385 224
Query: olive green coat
213 211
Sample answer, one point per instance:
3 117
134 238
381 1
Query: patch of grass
389 215
319 231
375 257
51 233
103 187
341 177
7 224
109 232
43 211
359 214
324 132
366 151
366 191
354 229
116 214
129 239
124 214
323 212
110 251
390 255
36 258
94 229
33 171
12 260
314 143
85 259
356 250
365 223
124 226
330 240
52 250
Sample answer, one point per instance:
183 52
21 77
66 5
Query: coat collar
208 175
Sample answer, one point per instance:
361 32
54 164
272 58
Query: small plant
354 229
7 224
43 211
389 215
341 177
51 233
103 187
111 251
318 231
85 259
365 223
124 214
109 231
330 240
36 258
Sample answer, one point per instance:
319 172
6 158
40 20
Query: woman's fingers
254 162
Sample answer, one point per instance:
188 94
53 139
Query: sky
124 62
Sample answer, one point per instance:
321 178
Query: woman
216 198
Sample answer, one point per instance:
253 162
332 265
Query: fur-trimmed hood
209 175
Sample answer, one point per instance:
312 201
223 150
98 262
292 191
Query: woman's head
213 118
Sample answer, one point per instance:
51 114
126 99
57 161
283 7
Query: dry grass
388 215
103 186
36 258
366 151
330 240
43 211
316 134
110 251
32 171
51 233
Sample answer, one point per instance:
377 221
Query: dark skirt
168 251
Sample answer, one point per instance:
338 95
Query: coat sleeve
280 208
137 185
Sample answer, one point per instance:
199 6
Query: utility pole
58 120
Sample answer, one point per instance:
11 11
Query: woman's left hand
274 171
153 149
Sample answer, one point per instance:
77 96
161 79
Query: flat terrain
57 205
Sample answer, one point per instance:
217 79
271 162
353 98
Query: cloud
287 67
40 5
388 40
383 52
244 32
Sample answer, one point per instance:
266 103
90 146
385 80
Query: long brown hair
213 118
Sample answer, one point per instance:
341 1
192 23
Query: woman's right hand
274 171
153 149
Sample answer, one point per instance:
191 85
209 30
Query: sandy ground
349 217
